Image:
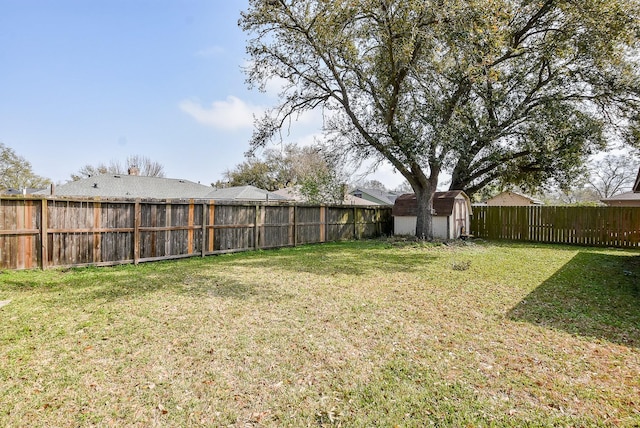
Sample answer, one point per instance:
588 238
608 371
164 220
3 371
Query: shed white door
460 218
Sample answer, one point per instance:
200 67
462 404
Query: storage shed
451 214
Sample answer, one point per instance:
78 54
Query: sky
84 82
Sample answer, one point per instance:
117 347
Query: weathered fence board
308 224
276 228
592 226
340 223
20 239
48 232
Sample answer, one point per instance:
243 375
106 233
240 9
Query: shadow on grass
594 295
78 286
351 259
205 277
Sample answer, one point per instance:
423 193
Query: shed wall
407 226
404 225
441 227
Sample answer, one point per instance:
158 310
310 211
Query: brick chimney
133 170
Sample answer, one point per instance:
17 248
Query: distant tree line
143 166
319 175
311 171
16 171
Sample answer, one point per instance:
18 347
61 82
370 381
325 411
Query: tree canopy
145 167
521 91
314 173
16 172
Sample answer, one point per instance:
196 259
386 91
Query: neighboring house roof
636 187
623 199
244 193
354 200
25 191
513 198
374 195
293 194
289 194
407 205
131 186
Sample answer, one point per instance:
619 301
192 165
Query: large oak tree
520 91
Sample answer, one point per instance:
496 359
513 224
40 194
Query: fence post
212 222
167 222
256 243
204 229
295 225
323 223
44 234
190 232
136 231
97 235
356 234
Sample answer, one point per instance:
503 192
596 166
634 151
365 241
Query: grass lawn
360 334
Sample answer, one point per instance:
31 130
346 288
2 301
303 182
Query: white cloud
310 139
274 86
229 115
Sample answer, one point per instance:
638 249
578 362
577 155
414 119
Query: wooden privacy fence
49 232
593 226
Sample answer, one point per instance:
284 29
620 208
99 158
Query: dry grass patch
350 334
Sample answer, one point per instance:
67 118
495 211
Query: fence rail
52 232
593 226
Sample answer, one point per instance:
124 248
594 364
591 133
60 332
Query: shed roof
636 187
407 206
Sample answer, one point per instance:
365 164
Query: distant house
291 194
375 196
24 191
636 187
294 195
628 199
130 186
451 214
135 186
510 198
244 193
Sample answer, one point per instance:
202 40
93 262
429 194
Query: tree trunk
424 220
